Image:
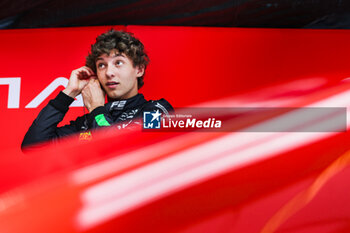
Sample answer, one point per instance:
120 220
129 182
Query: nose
110 72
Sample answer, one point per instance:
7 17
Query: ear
140 70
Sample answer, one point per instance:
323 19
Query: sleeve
99 117
44 127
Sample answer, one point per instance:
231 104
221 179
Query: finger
83 74
91 72
87 71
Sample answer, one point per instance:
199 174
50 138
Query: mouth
112 84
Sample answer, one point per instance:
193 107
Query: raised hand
93 95
79 78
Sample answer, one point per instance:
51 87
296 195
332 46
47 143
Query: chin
114 96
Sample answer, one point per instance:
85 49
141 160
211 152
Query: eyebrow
118 55
114 55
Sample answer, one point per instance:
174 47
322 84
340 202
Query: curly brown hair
122 41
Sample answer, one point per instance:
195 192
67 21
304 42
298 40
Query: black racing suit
125 113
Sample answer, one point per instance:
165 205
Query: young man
114 67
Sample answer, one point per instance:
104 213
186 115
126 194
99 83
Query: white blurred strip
138 187
118 195
275 96
115 164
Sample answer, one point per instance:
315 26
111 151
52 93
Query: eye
101 65
119 63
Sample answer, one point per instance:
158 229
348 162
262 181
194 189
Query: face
117 75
